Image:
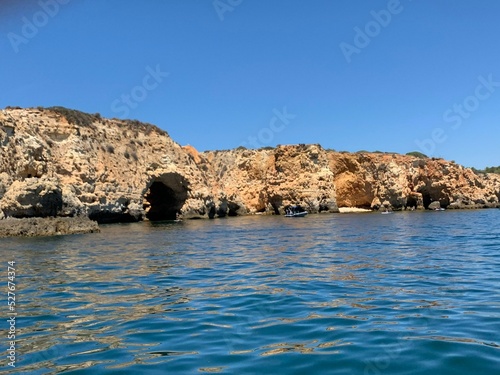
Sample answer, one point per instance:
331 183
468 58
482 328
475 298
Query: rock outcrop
374 180
107 169
32 197
50 226
65 163
269 180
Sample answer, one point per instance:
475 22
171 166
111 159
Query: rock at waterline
434 205
51 226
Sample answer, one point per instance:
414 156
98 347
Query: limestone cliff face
111 170
59 162
374 180
270 180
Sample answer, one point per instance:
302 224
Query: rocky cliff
60 162
375 180
269 180
63 162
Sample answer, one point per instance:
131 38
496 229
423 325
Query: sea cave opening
426 199
276 202
165 198
411 202
233 209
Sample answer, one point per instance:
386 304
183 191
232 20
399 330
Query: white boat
295 211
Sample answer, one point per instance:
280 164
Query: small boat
296 214
439 209
295 211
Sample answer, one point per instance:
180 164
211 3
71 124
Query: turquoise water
407 293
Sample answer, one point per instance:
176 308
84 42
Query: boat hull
297 214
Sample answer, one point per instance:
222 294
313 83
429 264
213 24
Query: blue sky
351 75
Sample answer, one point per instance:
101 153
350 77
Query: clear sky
351 75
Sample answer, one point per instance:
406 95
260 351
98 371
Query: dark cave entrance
233 209
411 202
162 201
276 202
165 197
426 198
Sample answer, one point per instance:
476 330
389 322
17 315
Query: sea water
406 293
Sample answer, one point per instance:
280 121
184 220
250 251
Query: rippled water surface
407 293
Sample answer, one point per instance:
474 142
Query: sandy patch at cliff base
352 209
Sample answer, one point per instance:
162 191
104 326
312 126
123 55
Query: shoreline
57 226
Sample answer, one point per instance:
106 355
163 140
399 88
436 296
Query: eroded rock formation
375 180
109 170
269 180
59 162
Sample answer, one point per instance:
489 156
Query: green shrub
144 127
487 170
417 155
75 117
492 169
